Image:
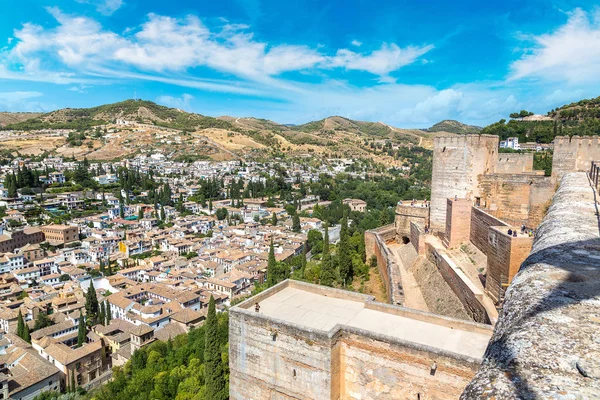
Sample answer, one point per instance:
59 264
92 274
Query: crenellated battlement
465 140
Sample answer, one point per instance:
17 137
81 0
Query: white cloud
79 88
183 102
356 43
174 45
571 53
105 7
381 62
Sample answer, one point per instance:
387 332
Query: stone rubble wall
546 344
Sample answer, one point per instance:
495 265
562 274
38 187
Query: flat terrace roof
320 308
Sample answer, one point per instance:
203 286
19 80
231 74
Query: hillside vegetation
8 118
141 111
580 118
452 126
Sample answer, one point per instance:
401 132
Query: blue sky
405 63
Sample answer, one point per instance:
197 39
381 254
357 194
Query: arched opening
405 240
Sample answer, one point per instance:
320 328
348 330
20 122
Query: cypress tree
102 315
345 260
81 332
108 312
303 259
26 335
271 266
20 325
72 385
296 223
327 272
274 219
91 304
215 380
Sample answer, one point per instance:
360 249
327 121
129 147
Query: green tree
344 256
20 325
215 379
271 266
221 213
91 304
327 269
296 223
81 331
274 219
72 386
26 335
102 315
141 213
41 321
108 312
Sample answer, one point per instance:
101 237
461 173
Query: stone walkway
413 298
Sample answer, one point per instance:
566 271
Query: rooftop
321 308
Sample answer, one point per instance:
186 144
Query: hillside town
140 262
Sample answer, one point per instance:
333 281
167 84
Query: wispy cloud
571 53
22 101
182 103
105 7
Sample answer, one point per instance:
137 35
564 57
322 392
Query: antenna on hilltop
134 94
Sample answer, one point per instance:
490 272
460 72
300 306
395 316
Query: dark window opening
405 240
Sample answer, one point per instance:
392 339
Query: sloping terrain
452 126
9 118
189 136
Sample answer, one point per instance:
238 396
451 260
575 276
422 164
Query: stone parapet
545 344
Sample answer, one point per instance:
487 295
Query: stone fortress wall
273 355
544 341
574 154
458 161
376 245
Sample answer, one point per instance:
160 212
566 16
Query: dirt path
413 298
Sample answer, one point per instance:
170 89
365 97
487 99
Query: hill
9 118
134 110
453 126
194 136
580 118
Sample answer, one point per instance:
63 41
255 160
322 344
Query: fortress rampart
457 163
545 342
314 342
574 154
375 245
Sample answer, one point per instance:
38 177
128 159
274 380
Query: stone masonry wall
293 364
375 369
457 162
545 344
458 222
469 295
574 154
375 245
416 238
511 163
480 223
516 198
405 214
505 255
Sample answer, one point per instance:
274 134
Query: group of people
524 231
416 203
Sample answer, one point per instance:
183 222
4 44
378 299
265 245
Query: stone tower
457 163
